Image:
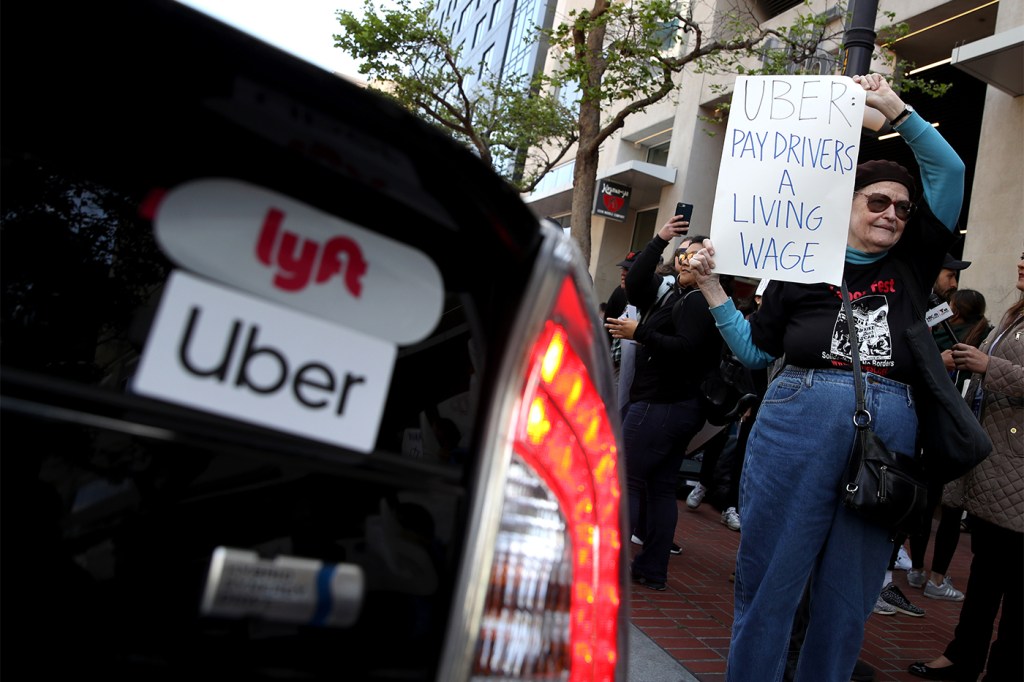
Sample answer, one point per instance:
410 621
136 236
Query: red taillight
554 599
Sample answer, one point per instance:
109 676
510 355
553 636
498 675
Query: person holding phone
676 339
795 525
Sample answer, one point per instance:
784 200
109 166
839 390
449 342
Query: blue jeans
796 529
655 436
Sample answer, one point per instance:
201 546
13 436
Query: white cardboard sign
215 349
782 206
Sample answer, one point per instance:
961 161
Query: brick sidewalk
691 620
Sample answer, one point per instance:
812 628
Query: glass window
478 32
495 9
644 228
486 60
658 154
777 7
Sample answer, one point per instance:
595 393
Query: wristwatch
907 111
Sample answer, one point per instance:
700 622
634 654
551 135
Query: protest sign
785 186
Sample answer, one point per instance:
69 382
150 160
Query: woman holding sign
795 527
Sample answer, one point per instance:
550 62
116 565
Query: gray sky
302 27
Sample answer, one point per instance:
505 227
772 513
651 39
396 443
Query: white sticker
284 250
285 589
218 350
938 314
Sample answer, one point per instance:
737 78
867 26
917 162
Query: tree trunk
584 186
584 175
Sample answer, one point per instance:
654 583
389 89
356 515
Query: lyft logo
221 351
296 257
281 249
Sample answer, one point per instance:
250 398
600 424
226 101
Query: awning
998 60
645 179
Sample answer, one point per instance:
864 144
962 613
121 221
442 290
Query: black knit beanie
871 172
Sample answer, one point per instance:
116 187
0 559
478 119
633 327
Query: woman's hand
947 360
970 359
676 226
880 95
702 265
619 328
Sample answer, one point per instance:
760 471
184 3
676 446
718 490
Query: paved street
686 628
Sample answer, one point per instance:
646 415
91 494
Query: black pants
996 579
947 535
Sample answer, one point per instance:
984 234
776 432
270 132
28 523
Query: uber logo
222 351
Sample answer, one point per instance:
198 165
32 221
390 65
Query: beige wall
996 238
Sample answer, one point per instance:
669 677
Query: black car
293 386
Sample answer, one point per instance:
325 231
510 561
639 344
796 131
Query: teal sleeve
942 170
735 329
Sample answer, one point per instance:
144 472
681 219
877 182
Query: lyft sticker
218 350
278 248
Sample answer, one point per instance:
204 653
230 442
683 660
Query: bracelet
902 115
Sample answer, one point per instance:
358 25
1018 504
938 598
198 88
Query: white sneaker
903 561
635 540
696 496
731 518
944 591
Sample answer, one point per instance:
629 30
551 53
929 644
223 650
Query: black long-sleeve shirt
679 343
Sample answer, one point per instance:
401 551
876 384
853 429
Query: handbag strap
861 416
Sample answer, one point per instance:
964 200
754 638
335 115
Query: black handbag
882 486
951 437
727 391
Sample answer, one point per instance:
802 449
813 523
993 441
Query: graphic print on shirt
871 315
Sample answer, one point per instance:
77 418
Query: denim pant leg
794 528
849 573
655 438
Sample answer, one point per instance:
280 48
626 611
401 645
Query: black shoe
895 598
949 672
862 672
649 584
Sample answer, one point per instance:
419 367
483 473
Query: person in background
795 526
668 272
949 276
675 334
970 326
994 497
622 350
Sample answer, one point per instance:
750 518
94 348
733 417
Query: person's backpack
727 391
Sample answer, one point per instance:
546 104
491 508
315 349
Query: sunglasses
685 257
877 203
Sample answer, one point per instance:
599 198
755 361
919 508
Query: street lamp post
859 38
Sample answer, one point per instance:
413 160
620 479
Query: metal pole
859 39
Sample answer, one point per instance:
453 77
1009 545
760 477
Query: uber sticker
218 350
282 249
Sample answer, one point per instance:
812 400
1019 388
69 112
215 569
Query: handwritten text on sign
782 207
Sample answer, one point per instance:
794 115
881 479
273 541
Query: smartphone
685 210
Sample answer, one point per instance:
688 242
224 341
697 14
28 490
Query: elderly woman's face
876 231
